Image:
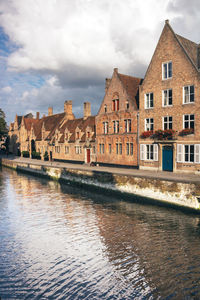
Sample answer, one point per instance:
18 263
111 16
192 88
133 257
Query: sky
57 50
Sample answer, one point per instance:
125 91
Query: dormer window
77 135
88 134
66 136
167 70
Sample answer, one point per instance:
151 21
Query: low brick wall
155 191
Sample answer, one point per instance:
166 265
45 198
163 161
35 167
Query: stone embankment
156 190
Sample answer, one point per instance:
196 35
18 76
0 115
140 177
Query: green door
167 158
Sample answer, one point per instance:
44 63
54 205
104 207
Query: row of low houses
151 123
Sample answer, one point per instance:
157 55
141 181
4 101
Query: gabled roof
28 122
50 124
131 84
190 48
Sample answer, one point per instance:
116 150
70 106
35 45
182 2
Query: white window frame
189 121
148 102
189 94
181 153
163 70
167 92
189 153
128 125
153 149
116 126
168 122
105 127
149 124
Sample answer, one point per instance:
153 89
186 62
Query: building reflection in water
146 248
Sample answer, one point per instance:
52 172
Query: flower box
146 134
186 131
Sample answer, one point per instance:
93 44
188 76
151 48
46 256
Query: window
105 127
149 152
167 97
94 150
149 124
167 70
116 126
115 104
127 105
57 149
188 94
149 100
188 153
78 149
120 148
110 148
88 134
129 148
188 121
167 123
66 149
127 125
77 135
117 148
101 148
105 108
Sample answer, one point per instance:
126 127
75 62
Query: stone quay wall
180 195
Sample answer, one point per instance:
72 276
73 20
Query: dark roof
131 84
50 125
28 122
190 47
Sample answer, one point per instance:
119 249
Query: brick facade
173 72
154 123
116 121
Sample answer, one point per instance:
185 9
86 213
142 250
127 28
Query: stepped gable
190 48
131 84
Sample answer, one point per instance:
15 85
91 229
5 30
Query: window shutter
155 152
197 153
142 152
179 153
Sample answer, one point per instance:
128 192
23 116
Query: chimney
68 110
50 111
87 110
166 21
107 83
37 115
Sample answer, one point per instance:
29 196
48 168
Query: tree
3 126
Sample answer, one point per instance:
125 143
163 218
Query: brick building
61 135
116 121
169 106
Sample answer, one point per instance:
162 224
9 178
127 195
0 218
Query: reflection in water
58 242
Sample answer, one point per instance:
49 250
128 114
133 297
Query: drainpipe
138 146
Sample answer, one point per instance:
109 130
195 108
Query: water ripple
59 242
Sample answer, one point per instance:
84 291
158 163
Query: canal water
59 242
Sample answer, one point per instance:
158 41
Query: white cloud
54 35
6 89
66 48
